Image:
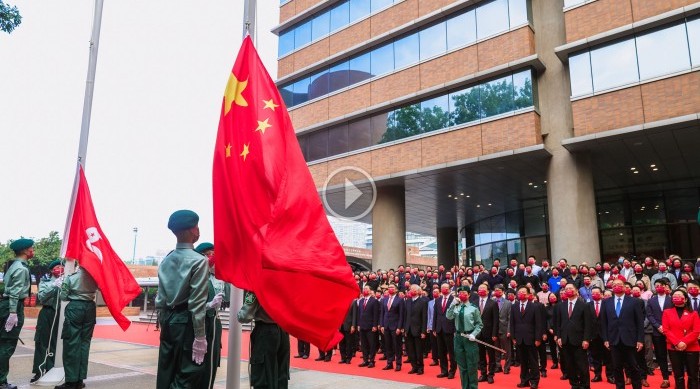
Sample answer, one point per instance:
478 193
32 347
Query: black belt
177 308
80 301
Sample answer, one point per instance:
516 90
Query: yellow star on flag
245 151
233 94
263 125
228 150
270 104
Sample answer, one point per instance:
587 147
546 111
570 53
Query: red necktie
481 306
444 304
522 308
365 306
388 308
571 308
597 308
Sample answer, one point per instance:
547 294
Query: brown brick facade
507 47
671 97
458 64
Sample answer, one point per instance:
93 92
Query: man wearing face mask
468 325
47 322
368 323
554 281
504 309
655 307
639 275
585 291
415 328
391 322
545 272
444 330
623 333
663 273
526 324
595 279
573 331
529 278
677 265
489 334
532 262
627 270
494 278
600 356
574 277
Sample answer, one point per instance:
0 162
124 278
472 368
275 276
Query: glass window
318 145
461 30
514 222
491 18
497 96
338 140
522 89
302 145
499 250
382 60
359 69
359 9
517 11
648 210
663 52
465 105
378 4
302 34
537 247
483 252
434 114
379 125
338 76
320 26
301 91
681 206
580 74
611 215
340 15
402 123
406 51
359 134
515 249
615 242
433 41
535 221
650 241
694 40
614 65
318 84
287 93
286 42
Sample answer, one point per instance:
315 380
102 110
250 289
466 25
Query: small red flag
89 245
271 233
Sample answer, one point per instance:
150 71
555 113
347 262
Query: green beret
204 246
21 244
54 263
182 220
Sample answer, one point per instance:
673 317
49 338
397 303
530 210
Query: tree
45 250
9 17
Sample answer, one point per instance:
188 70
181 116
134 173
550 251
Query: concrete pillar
389 228
573 229
447 246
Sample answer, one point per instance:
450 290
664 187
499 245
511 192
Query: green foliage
9 17
45 250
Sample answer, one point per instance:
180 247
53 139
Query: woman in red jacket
682 327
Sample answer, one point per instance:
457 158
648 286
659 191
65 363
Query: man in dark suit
504 310
526 324
623 333
444 329
489 334
415 328
368 322
573 331
391 322
655 308
349 330
600 356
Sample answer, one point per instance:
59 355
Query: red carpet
137 334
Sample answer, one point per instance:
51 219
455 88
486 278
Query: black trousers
577 366
446 349
432 346
685 361
542 355
303 348
600 356
368 339
527 355
414 349
642 364
625 357
393 347
485 352
553 350
660 353
347 345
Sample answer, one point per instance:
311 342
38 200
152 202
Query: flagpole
57 374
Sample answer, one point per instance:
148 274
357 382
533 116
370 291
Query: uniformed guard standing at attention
468 325
79 290
47 322
212 359
269 356
17 284
181 300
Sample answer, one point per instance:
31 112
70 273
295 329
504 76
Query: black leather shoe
522 385
611 380
398 368
382 358
370 365
489 379
499 370
564 377
67 385
305 357
35 378
543 374
412 371
9 386
363 364
434 363
555 365
451 375
388 367
482 379
442 375
81 384
319 359
596 379
419 372
506 371
298 356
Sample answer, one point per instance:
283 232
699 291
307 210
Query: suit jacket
595 333
368 315
684 329
416 316
504 316
350 317
628 329
654 312
526 327
480 279
392 317
441 323
489 316
577 328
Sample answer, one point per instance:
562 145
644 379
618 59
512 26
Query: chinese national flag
89 245
271 233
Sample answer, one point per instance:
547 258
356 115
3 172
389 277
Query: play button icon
349 193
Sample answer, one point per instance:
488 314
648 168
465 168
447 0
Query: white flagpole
56 375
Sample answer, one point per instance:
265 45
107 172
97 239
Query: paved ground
121 364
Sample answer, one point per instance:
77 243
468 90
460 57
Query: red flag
89 245
270 230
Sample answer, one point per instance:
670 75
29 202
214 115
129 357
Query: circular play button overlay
349 193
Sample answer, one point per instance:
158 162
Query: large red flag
89 245
270 230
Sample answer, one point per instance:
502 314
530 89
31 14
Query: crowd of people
619 322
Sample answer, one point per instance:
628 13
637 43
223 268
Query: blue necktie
617 307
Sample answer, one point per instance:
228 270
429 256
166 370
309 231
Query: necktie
481 306
571 308
695 303
499 304
618 306
597 308
388 308
522 308
444 304
365 305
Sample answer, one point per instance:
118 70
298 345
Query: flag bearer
17 284
181 300
47 322
468 325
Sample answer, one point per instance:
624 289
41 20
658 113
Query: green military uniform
17 284
79 290
269 356
181 300
213 324
46 325
467 322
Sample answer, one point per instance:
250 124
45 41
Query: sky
161 72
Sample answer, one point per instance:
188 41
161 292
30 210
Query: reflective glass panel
514 221
382 60
614 65
287 93
359 134
406 51
461 30
379 124
433 41
302 34
318 145
465 105
338 140
491 18
611 215
663 52
497 96
359 9
301 91
522 90
616 242
517 10
359 68
340 15
302 145
338 76
535 221
402 123
286 43
434 114
694 40
377 4
580 74
320 26
318 84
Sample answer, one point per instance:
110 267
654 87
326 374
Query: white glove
58 282
215 303
199 348
471 337
11 322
